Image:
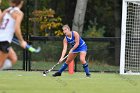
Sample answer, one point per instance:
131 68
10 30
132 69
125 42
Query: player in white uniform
10 19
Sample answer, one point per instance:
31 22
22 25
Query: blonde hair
67 26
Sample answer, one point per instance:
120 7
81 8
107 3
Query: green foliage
104 12
4 4
93 31
98 51
49 50
49 24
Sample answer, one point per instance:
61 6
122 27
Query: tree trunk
35 24
79 16
117 16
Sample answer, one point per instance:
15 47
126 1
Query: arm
2 14
65 44
18 16
76 35
20 5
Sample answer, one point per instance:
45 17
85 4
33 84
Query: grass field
34 82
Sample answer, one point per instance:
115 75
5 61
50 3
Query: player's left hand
60 60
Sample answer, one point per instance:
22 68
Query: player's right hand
60 60
23 44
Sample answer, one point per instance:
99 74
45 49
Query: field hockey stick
30 48
47 71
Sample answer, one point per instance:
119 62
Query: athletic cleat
56 74
88 75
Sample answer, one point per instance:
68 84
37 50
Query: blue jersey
82 45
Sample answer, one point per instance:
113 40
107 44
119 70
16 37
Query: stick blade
38 50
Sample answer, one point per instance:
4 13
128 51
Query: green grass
47 65
34 82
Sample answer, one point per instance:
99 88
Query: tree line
91 18
81 15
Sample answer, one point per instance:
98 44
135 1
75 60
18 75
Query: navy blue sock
85 66
63 67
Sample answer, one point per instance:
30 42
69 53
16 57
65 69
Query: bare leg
71 57
3 57
65 65
12 56
85 65
7 59
82 57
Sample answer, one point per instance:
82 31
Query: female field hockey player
10 19
78 46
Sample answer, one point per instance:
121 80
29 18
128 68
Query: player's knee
68 62
82 60
14 60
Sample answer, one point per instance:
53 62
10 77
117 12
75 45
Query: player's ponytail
16 2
